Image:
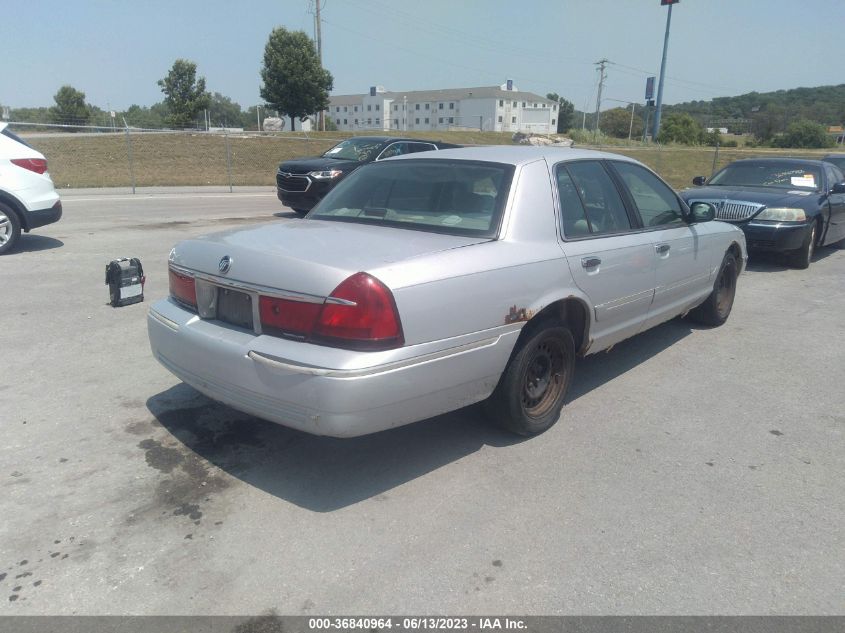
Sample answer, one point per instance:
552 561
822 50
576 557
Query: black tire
300 212
10 228
717 307
530 393
801 258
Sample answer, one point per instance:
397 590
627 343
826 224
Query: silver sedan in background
423 284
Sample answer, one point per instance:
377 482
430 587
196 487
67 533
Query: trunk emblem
225 264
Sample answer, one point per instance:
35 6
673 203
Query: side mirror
699 180
702 212
839 187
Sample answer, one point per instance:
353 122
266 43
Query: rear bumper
40 217
771 236
355 393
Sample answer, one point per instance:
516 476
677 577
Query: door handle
590 262
662 249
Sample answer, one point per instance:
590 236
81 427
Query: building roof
447 94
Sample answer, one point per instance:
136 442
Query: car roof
384 139
809 162
517 154
834 155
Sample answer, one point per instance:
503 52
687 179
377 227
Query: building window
554 108
345 109
417 121
356 121
500 119
535 105
369 121
356 108
523 104
337 109
553 121
513 119
501 103
426 119
416 106
451 119
439 106
378 121
377 107
514 104
396 122
440 120
427 106
369 108
451 106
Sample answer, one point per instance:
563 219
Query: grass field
184 158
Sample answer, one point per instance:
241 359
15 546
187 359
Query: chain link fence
87 156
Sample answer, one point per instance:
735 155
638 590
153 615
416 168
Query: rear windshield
361 149
778 175
14 137
442 196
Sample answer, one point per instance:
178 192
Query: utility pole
322 123
659 106
631 127
602 76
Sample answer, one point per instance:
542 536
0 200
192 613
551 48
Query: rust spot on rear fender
517 315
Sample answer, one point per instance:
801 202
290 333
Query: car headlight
328 174
782 214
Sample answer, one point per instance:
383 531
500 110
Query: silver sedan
427 283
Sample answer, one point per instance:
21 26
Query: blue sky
116 50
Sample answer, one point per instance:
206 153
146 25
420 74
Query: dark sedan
783 205
301 183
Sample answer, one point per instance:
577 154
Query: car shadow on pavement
778 262
321 474
33 243
324 474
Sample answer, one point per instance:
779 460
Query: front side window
442 196
590 203
656 202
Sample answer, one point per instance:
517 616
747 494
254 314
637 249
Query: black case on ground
125 279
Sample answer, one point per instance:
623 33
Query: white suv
27 196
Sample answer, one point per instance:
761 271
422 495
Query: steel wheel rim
725 291
544 378
5 228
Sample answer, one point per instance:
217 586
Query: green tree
294 80
680 127
804 133
617 122
70 107
224 112
565 112
184 94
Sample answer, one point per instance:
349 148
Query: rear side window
443 196
15 137
590 202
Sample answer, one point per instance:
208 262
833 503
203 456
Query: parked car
27 196
423 284
836 159
301 183
784 205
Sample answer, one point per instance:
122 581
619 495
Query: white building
490 108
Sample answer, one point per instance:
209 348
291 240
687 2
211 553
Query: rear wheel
717 307
10 228
530 393
803 256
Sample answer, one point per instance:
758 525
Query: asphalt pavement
694 470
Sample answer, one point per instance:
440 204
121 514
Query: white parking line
182 196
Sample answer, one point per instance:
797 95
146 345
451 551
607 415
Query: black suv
301 183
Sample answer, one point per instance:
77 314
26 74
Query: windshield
779 175
359 149
442 196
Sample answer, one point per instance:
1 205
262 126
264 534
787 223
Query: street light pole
659 105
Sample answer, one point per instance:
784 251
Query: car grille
735 210
292 182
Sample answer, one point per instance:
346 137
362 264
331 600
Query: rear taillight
288 317
183 288
359 314
38 165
